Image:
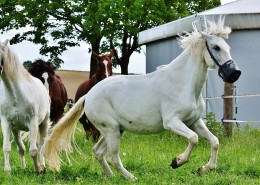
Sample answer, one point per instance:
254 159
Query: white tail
62 135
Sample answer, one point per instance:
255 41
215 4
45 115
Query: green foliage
57 25
27 64
148 157
214 126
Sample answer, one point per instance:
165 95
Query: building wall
245 50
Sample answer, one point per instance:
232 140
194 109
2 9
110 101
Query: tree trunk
124 65
93 62
228 109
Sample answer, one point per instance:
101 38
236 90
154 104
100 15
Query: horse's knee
215 143
7 149
33 152
194 139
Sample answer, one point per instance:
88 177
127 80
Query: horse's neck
191 70
12 89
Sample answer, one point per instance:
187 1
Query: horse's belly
142 125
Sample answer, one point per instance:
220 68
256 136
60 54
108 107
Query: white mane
12 65
195 39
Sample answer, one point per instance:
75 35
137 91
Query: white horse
169 98
24 105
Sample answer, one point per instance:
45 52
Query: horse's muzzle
229 71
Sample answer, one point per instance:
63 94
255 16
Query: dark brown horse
45 71
104 70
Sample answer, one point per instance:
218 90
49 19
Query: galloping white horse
24 106
167 99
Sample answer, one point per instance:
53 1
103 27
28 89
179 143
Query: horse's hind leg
113 144
200 128
21 147
6 145
100 150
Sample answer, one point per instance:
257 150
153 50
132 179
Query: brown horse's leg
95 132
84 122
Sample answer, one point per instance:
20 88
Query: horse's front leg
6 145
33 128
21 147
200 128
43 129
177 126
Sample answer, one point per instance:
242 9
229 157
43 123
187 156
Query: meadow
148 157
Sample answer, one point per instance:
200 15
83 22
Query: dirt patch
72 80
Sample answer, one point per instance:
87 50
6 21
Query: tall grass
148 157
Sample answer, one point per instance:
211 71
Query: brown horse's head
104 65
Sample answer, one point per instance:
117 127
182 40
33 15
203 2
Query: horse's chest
192 113
18 116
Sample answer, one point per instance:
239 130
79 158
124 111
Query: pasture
149 158
72 80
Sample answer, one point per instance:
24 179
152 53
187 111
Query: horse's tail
61 137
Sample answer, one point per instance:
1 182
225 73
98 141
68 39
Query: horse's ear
206 35
111 53
94 54
6 42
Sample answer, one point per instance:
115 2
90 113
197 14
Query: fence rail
233 96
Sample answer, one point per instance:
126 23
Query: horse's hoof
199 171
42 171
174 164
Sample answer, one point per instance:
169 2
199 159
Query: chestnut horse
104 70
45 71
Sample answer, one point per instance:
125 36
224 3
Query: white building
243 16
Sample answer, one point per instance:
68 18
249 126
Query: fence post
228 108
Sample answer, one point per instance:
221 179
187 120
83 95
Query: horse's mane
13 68
195 39
39 66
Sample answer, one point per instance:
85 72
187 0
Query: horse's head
39 66
218 55
50 67
104 65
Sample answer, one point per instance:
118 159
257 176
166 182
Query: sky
76 58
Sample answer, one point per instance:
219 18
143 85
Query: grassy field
72 80
148 157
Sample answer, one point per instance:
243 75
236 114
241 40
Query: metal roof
236 7
240 14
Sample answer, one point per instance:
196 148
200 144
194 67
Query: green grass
148 157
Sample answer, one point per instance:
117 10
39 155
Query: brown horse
104 70
45 71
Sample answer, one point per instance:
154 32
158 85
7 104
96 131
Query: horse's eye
217 48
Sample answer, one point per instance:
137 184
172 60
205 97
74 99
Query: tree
59 24
129 17
27 64
55 25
